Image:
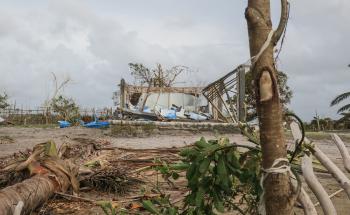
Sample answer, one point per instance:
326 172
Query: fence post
122 93
241 93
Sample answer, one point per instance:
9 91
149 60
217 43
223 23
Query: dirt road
23 138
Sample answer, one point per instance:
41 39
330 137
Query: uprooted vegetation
205 178
102 170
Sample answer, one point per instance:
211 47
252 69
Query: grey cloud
93 41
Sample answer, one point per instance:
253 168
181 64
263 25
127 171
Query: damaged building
222 100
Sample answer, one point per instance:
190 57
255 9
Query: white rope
263 47
274 169
266 44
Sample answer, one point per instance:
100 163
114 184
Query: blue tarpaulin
93 124
168 113
97 124
196 116
64 124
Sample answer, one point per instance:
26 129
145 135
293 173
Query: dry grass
324 136
6 140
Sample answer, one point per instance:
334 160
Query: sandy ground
24 138
16 139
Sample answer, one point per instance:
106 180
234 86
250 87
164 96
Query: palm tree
339 99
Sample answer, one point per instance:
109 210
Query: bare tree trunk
278 189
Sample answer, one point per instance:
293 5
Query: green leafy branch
222 176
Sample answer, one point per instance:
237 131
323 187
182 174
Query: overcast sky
92 42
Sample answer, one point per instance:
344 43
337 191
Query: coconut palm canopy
339 99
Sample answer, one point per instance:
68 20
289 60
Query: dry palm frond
84 148
111 180
8 176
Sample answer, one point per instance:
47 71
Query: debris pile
222 100
96 171
161 103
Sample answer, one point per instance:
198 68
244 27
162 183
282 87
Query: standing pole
122 93
241 94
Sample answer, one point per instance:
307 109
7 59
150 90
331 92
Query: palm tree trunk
33 192
278 189
49 174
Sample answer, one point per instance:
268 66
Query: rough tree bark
36 190
49 174
278 195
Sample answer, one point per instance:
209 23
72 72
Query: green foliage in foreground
220 178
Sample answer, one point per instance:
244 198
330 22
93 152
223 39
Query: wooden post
146 97
241 93
122 93
22 114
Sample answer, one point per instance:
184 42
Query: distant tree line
158 76
3 101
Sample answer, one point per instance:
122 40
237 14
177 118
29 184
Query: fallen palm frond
60 206
8 177
156 150
110 179
83 149
144 157
13 168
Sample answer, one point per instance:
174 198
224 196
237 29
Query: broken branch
283 21
343 151
316 187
